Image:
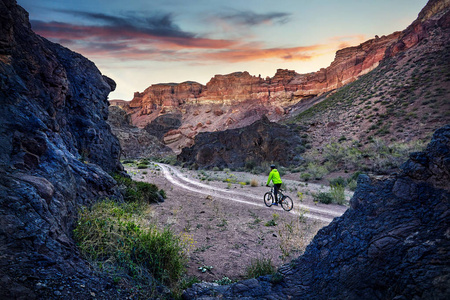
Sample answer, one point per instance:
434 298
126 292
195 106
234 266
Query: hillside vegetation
373 123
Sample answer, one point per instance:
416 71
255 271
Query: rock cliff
259 142
56 150
391 244
136 142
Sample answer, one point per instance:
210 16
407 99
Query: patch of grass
138 191
260 267
108 235
273 221
337 194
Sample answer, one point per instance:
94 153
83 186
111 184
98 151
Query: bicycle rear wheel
287 204
268 199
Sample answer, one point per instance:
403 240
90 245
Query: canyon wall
56 151
239 99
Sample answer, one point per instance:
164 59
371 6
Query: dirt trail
227 223
178 179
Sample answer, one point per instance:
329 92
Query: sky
143 42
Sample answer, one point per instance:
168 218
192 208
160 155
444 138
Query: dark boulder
56 151
163 124
393 242
259 142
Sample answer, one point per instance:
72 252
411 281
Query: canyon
238 99
57 154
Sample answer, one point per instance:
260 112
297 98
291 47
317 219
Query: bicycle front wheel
268 199
287 204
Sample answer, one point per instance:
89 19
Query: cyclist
276 179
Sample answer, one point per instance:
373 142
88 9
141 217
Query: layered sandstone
236 94
285 88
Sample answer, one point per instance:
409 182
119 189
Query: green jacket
274 176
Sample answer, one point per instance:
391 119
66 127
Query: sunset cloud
157 38
160 25
109 34
250 18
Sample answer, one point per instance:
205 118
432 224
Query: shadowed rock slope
393 242
135 142
56 151
262 141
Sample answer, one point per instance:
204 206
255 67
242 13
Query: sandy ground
226 222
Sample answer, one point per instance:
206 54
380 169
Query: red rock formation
232 96
284 89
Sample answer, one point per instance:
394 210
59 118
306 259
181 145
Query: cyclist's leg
276 188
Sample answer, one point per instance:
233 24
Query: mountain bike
286 202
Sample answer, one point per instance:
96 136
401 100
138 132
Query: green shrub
337 194
138 191
142 166
339 180
107 234
352 184
317 171
250 165
323 197
260 267
305 176
224 281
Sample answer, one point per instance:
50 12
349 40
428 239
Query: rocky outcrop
391 244
56 151
163 124
262 141
434 14
136 142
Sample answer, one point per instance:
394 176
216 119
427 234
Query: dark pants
276 187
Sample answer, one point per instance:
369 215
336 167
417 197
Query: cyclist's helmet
273 166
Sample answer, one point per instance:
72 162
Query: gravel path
179 179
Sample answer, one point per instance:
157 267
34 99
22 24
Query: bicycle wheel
268 199
287 204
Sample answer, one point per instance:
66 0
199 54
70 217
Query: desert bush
260 267
322 197
128 161
142 166
337 194
107 234
250 165
254 182
305 176
317 171
138 191
352 184
339 180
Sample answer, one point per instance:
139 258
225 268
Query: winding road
177 178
